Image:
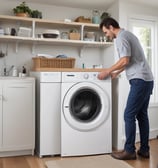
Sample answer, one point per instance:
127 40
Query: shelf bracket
33 29
82 30
33 48
81 51
17 47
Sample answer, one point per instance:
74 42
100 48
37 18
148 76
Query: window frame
152 23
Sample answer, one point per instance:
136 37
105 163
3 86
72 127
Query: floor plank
152 162
36 162
15 162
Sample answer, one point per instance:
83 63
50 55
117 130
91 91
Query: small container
64 35
95 17
13 32
20 74
39 35
23 72
7 31
15 72
23 75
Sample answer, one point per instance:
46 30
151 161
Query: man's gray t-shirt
127 44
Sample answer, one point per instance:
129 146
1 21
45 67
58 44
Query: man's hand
117 68
104 74
114 75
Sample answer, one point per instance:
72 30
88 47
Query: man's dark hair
107 22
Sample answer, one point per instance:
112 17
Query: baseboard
153 134
16 153
120 143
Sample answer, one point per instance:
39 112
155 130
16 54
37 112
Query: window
146 32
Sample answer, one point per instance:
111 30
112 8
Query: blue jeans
137 108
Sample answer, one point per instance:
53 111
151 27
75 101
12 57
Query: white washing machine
48 103
85 114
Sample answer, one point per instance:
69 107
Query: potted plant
104 15
36 14
22 10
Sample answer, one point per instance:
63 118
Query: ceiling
84 4
90 4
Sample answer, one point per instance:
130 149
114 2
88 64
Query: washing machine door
86 106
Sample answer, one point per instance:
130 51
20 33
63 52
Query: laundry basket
48 63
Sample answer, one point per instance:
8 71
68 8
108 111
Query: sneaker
143 154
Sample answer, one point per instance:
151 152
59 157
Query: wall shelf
36 24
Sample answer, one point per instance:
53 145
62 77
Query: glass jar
64 35
95 17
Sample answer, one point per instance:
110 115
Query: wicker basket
83 19
74 36
41 63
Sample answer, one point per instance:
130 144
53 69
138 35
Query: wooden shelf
36 23
49 41
49 21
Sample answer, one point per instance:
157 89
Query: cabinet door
1 100
50 119
18 117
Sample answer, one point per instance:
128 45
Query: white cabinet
1 114
17 116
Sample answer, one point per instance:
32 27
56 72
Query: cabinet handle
19 87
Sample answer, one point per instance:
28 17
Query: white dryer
85 114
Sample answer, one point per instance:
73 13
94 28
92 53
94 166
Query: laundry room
60 98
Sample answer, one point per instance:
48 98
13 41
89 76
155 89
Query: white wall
48 11
114 10
90 56
126 10
129 9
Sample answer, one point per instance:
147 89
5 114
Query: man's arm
116 68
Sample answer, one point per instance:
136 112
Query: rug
98 161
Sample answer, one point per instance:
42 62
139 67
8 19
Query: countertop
68 70
16 78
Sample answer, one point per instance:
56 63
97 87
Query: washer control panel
80 76
86 76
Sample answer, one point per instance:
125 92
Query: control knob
86 76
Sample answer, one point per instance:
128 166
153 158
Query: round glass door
86 106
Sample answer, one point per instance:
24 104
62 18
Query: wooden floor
36 162
147 163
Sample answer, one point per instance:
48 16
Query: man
132 60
